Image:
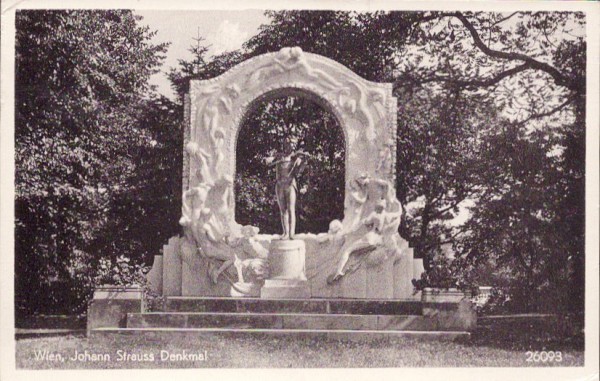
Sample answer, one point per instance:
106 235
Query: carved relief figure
376 98
249 245
251 260
378 229
362 111
357 196
219 101
205 211
231 92
384 165
288 59
202 158
368 242
359 106
193 205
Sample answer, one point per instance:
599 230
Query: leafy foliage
525 75
121 271
367 43
81 80
439 162
316 132
200 67
446 273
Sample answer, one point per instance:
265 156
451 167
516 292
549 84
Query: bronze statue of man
289 165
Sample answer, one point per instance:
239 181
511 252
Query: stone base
285 289
155 275
308 314
449 308
188 276
287 259
437 295
241 290
111 304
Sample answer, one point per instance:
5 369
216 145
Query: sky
222 30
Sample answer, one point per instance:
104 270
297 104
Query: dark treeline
491 144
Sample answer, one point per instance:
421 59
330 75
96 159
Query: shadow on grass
529 332
50 322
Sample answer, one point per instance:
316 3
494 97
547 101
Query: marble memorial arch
216 256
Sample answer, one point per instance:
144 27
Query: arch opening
312 127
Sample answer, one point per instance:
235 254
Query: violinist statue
288 165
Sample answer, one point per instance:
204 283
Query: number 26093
543 356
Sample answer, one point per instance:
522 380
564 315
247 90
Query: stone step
314 306
302 334
281 321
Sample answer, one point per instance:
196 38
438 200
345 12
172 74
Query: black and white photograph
375 189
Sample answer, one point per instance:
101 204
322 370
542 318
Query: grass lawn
494 344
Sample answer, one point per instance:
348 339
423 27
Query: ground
496 343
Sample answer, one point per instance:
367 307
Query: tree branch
559 78
452 237
505 18
451 206
466 83
547 113
528 62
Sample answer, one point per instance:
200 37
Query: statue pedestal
287 275
240 290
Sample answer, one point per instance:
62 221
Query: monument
362 256
220 276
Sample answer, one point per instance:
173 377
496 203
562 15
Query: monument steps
295 316
211 333
309 306
351 319
277 321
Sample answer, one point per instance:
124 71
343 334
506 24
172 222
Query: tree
533 67
81 79
439 163
143 218
367 43
200 67
315 131
515 222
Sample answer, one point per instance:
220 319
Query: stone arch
366 113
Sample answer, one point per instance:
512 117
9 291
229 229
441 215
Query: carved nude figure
377 98
231 92
362 111
357 198
288 59
384 166
375 223
202 158
379 228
